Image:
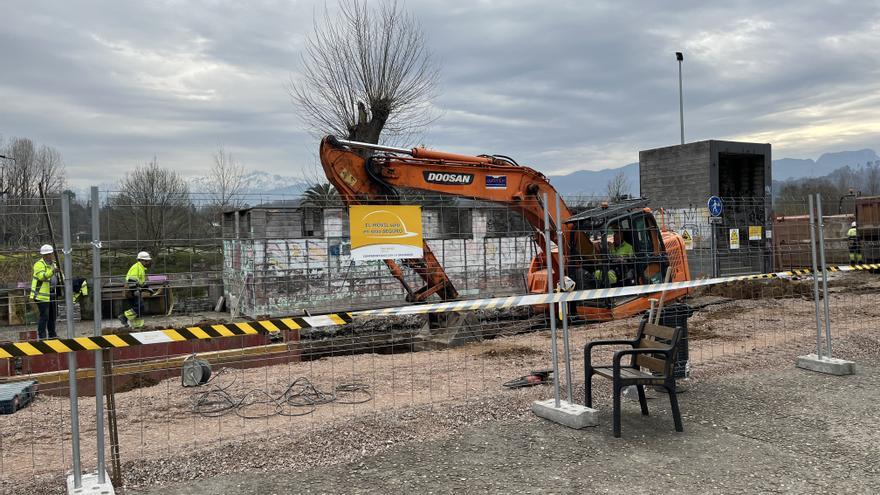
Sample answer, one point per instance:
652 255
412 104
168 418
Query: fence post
98 318
548 257
817 362
824 274
815 278
71 333
563 307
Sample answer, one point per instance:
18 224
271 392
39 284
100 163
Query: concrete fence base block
90 485
831 366
567 414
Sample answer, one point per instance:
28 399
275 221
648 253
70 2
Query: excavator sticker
347 177
381 232
496 182
447 178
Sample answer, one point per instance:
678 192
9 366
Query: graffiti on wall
694 220
283 276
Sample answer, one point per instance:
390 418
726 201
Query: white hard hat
143 255
46 249
853 224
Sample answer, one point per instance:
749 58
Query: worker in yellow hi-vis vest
855 253
43 292
618 252
135 285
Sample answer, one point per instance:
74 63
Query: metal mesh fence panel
322 395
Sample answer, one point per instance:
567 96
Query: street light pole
680 57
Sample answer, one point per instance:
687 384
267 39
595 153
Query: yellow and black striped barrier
57 346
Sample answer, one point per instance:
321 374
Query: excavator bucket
445 330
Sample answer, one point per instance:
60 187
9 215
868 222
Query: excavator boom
366 173
361 180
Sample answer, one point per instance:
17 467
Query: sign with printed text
381 232
769 234
734 239
496 182
754 232
688 236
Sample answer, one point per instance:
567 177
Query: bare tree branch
226 181
366 71
155 202
617 187
27 169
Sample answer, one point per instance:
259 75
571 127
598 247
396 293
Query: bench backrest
657 337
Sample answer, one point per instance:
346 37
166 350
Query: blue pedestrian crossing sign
715 206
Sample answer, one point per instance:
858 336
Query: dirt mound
136 381
510 351
761 289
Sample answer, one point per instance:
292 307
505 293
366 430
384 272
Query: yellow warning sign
380 232
734 239
754 232
688 237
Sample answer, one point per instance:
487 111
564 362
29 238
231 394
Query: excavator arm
376 177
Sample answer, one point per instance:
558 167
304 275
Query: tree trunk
369 125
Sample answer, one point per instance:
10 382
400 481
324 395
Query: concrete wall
676 176
292 275
680 179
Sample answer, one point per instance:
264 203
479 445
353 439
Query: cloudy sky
561 85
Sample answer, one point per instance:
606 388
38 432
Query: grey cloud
559 85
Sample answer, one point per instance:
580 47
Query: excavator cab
627 249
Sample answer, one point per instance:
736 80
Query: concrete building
682 178
289 258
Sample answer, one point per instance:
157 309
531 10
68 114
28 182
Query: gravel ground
773 430
429 398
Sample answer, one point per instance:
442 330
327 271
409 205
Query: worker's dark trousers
135 305
48 315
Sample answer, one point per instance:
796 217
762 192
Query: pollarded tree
366 71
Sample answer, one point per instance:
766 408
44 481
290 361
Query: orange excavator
365 173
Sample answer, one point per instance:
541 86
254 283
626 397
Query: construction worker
135 284
43 292
617 252
855 253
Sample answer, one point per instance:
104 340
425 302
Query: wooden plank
651 363
625 373
646 343
659 331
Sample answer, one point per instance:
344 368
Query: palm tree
322 195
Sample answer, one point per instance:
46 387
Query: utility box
680 180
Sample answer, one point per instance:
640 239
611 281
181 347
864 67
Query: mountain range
586 182
262 186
